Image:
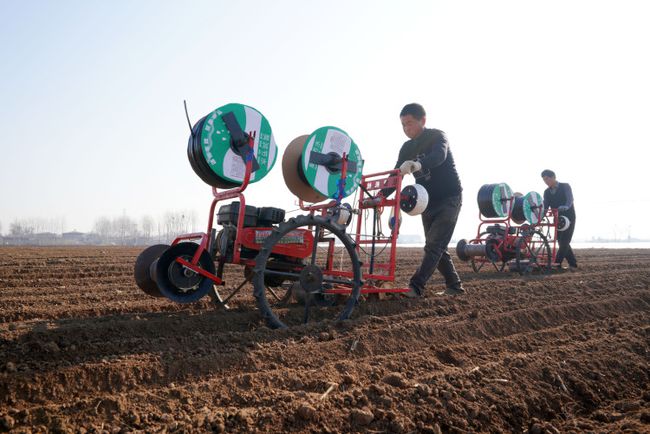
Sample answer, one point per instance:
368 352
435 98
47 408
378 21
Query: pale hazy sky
93 125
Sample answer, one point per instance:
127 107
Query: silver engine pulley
341 214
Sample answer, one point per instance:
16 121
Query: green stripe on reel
500 196
533 204
494 200
215 143
331 140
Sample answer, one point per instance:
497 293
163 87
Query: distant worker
427 156
559 196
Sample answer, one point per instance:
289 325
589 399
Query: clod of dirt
448 357
469 395
377 389
627 406
361 417
245 416
348 379
551 429
51 347
396 426
59 425
6 423
424 390
396 379
10 367
535 429
307 412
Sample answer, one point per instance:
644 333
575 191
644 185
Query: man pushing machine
427 156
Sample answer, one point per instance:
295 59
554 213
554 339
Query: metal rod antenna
187 116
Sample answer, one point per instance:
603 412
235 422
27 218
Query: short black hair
548 173
413 109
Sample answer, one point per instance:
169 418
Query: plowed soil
82 349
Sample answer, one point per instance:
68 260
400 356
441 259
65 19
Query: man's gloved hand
562 208
410 166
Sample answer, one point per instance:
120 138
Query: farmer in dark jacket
559 196
427 156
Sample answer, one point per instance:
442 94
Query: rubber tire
141 270
167 288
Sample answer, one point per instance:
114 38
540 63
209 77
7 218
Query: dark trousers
439 221
564 250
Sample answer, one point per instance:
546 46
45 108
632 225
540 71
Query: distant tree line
121 230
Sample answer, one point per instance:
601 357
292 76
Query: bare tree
192 216
19 228
103 228
178 222
126 228
147 225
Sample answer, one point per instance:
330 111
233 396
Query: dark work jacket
438 174
563 196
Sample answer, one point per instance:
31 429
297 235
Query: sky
92 95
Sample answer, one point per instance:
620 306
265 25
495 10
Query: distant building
73 237
45 239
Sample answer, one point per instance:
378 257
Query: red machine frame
506 246
369 183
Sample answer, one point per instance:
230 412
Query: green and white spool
533 204
331 140
216 149
495 200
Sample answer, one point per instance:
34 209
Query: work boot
412 293
573 268
456 289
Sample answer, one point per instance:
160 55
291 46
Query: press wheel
533 254
317 283
178 283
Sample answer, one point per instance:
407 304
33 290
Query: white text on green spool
222 159
533 207
331 141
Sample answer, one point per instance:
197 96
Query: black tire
142 269
533 254
326 304
177 285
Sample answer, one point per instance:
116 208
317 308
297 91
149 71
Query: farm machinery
515 232
302 268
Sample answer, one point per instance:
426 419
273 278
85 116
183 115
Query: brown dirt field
82 349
